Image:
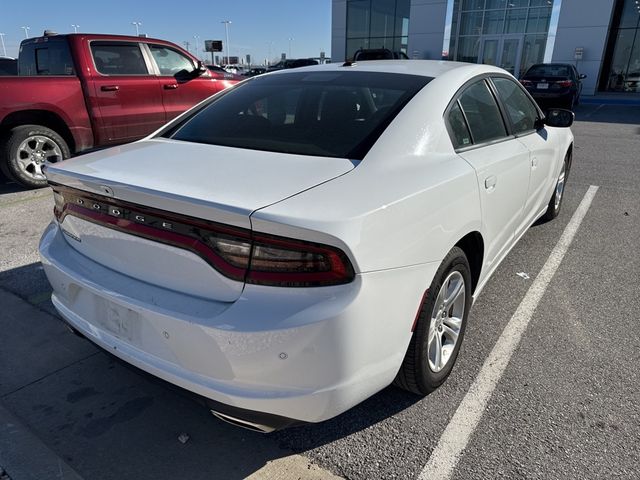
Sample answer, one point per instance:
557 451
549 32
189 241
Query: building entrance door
502 51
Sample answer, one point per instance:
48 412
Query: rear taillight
563 83
526 83
295 263
236 253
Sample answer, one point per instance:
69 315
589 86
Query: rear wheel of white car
440 327
27 149
558 193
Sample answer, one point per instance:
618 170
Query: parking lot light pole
75 27
197 40
26 31
137 25
291 39
4 49
226 27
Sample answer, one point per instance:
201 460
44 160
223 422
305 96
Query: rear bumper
296 354
546 95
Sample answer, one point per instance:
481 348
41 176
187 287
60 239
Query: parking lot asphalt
566 405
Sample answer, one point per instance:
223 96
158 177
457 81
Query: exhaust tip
238 422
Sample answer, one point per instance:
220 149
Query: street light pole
290 40
269 57
137 25
226 27
26 31
197 39
4 49
75 27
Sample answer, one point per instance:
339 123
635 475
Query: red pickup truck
80 91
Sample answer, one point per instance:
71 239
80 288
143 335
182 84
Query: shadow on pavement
9 186
107 419
622 114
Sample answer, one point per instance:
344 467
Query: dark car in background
292 63
255 71
8 66
554 84
378 54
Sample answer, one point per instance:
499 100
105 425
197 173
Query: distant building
600 37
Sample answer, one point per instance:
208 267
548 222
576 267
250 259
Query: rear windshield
549 71
332 114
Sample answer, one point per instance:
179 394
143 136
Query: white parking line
455 437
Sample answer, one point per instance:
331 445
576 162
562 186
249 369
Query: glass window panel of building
377 24
622 74
520 25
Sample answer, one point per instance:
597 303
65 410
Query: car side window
171 62
51 58
118 58
458 126
482 113
521 111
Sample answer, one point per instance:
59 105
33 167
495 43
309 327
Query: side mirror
559 117
201 68
582 76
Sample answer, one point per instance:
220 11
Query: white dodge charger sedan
293 245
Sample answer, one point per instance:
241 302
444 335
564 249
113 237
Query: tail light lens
295 263
526 83
563 83
236 253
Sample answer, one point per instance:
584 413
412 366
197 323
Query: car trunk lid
114 199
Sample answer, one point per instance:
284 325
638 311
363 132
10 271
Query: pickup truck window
50 58
118 58
169 61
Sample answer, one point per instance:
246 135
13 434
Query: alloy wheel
560 186
446 321
34 152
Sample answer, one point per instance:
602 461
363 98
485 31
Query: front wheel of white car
439 328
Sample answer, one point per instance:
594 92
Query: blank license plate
543 86
120 321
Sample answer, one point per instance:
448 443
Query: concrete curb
24 457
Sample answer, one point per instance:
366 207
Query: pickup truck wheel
26 149
439 328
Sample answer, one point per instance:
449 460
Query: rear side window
45 58
119 58
171 62
522 113
460 132
329 114
483 115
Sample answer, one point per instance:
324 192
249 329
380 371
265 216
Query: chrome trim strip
256 427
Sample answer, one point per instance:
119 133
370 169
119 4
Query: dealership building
600 37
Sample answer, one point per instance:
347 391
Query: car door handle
170 86
490 182
109 88
534 162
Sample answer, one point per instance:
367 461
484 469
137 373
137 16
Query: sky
258 26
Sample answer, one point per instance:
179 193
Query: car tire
555 204
421 372
26 149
